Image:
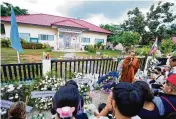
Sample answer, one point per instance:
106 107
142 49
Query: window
85 40
99 40
46 37
2 29
24 36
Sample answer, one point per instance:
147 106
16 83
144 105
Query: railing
64 68
22 72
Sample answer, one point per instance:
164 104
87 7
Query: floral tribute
13 93
85 85
46 84
107 82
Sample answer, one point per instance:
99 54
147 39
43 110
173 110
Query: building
59 32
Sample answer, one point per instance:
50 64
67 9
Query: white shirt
173 70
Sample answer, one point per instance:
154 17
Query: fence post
46 66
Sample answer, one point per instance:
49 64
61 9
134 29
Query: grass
9 55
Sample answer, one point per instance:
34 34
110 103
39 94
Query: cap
172 79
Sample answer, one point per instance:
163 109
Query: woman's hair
71 82
17 111
145 90
128 99
66 96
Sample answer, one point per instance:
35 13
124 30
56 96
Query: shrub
91 49
39 46
5 42
167 46
48 49
30 45
45 46
143 51
99 44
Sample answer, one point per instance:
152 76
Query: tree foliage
167 46
159 19
136 21
6 10
128 39
115 29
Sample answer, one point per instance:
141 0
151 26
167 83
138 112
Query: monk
130 67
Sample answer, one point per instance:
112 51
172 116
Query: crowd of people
129 99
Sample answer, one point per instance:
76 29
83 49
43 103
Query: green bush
45 46
167 46
5 42
143 51
30 45
91 49
48 49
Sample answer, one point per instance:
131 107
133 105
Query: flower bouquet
13 93
39 116
84 90
47 84
107 82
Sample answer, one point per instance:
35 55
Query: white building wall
93 36
34 32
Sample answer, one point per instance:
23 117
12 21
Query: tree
158 19
6 10
136 21
115 29
167 46
128 39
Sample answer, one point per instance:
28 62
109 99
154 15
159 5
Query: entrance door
67 40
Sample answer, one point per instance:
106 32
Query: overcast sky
97 12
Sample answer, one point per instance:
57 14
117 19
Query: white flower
3 112
11 88
2 89
10 98
36 105
58 79
55 85
16 96
19 86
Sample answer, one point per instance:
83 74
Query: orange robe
129 71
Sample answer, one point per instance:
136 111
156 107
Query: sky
96 12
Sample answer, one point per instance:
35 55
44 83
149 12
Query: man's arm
107 108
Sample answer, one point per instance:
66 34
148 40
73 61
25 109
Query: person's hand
109 103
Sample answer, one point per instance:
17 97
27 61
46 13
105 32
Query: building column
57 41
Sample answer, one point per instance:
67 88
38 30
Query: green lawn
9 55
